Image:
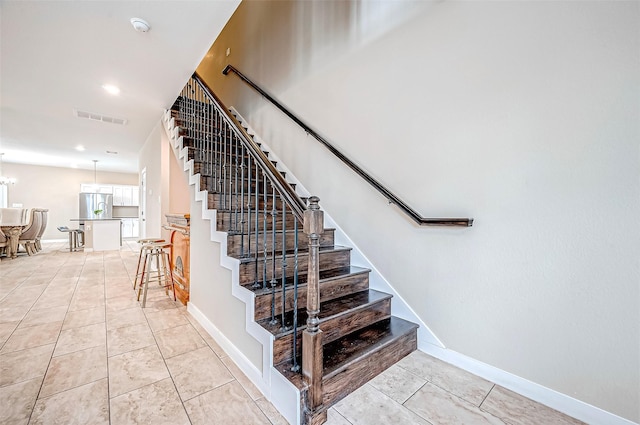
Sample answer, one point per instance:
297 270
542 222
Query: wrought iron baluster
264 232
209 144
235 184
250 168
198 124
230 179
223 193
273 281
242 183
283 324
256 200
296 366
219 157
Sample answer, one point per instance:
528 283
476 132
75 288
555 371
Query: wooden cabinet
179 224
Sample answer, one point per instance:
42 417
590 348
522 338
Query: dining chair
43 226
28 236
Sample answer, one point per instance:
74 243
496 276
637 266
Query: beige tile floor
77 348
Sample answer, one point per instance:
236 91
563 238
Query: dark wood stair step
338 317
334 283
355 359
238 242
330 257
229 221
202 158
228 201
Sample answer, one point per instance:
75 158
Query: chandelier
5 180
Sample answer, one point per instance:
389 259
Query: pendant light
95 175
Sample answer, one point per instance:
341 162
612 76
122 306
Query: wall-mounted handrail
393 199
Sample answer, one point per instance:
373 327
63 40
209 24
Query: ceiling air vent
97 117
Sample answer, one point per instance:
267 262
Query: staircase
331 332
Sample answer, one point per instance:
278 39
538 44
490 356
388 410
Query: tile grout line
106 345
485 397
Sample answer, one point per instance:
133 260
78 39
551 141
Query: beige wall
179 196
167 184
56 189
523 115
155 158
211 288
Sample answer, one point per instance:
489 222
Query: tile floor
77 348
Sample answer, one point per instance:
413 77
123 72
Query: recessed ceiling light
111 89
80 148
113 152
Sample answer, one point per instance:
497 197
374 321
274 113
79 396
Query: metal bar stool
164 275
143 242
74 245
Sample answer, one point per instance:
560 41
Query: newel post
312 335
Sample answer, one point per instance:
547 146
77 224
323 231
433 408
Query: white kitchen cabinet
135 197
125 196
136 227
117 195
92 188
130 228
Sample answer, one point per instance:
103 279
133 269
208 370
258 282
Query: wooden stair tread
354 348
329 310
288 232
325 276
323 249
351 348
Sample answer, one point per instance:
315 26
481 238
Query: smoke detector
140 25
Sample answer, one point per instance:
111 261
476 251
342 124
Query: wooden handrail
297 205
391 197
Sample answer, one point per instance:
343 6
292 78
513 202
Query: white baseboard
575 408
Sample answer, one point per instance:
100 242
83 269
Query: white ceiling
56 55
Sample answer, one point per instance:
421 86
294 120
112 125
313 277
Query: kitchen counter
95 219
101 234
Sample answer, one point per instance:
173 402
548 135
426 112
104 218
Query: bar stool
74 244
143 242
164 275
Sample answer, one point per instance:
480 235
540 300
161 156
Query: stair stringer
399 307
272 384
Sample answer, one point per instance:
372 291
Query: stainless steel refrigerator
95 205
